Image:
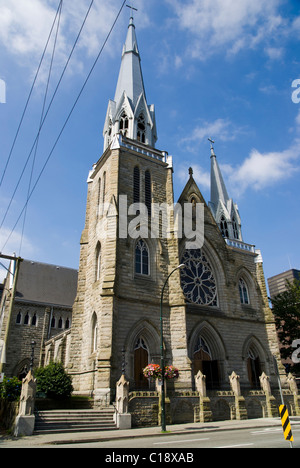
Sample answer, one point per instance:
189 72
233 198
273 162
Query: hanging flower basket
152 371
171 372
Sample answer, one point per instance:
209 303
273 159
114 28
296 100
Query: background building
277 283
42 309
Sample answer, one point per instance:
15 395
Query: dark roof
47 284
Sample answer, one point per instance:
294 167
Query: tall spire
224 210
130 75
218 189
129 114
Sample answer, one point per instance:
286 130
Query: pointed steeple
218 189
224 210
129 114
130 75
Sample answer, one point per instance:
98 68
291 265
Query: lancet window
124 124
243 290
224 227
141 129
142 258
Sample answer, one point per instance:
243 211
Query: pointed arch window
141 129
235 228
94 340
124 124
142 258
26 319
136 185
99 197
148 194
104 188
243 290
224 227
98 262
19 318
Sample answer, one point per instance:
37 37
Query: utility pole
17 261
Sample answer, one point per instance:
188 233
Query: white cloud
229 24
201 176
223 129
25 26
274 53
257 172
261 170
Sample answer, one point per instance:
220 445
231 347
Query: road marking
234 446
267 431
179 441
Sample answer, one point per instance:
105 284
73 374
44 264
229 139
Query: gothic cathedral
216 316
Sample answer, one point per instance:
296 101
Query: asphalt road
174 446
244 438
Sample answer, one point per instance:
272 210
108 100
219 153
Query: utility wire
46 114
67 120
41 119
29 96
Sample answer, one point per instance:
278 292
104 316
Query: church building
216 315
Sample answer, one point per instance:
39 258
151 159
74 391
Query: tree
286 309
54 381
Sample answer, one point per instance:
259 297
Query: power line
41 119
67 120
46 114
29 96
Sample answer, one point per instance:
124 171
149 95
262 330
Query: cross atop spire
131 8
211 146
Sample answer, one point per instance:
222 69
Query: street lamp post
162 359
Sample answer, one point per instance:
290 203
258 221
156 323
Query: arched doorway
141 360
202 360
254 368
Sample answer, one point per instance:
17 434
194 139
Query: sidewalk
177 429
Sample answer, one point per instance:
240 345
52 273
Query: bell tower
124 259
129 114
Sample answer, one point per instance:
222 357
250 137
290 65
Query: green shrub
54 381
10 389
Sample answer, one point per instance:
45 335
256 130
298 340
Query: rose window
197 279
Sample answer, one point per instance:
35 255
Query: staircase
63 421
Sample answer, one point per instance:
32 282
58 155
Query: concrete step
59 421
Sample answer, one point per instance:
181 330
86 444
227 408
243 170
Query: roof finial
211 146
191 171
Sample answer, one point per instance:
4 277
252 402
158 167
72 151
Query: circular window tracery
197 279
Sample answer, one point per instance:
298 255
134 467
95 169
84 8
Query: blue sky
222 69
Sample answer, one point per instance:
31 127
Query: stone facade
215 313
42 309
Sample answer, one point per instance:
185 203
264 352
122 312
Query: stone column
205 413
240 404
24 425
122 417
272 410
294 389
